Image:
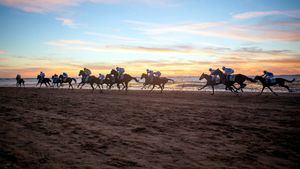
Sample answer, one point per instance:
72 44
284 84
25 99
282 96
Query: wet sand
78 129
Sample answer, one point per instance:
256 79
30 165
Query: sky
177 37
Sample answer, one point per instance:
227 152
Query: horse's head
144 75
38 77
114 72
108 76
60 76
258 78
217 72
202 76
81 73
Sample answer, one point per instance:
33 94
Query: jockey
101 77
120 71
42 74
55 78
65 76
87 73
18 77
267 75
150 74
157 74
227 71
213 77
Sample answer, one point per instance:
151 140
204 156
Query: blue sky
177 37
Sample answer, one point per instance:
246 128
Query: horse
83 78
91 80
20 82
44 80
67 80
160 81
209 82
55 80
279 81
239 79
124 81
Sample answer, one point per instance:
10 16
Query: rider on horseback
150 74
157 74
87 73
213 76
18 77
268 76
65 76
227 72
42 74
101 77
55 78
120 71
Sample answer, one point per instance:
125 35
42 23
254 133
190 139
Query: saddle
271 80
230 78
215 79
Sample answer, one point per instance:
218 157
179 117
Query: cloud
46 6
226 30
68 22
250 15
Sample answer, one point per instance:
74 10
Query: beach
60 128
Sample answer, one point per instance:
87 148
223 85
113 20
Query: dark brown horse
239 79
41 81
124 80
279 81
67 80
90 80
159 81
209 82
20 82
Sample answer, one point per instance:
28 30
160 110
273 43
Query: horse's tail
171 80
250 79
74 80
136 80
290 81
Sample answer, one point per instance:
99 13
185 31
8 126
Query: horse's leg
261 91
82 85
144 85
285 86
152 89
272 91
161 89
202 87
213 89
92 85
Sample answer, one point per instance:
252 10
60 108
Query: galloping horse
239 79
20 82
124 81
44 80
91 80
209 82
279 81
160 81
67 80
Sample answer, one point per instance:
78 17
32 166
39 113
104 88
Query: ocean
180 84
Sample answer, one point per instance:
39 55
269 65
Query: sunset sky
177 37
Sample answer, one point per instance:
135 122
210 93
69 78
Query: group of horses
109 80
240 79
113 78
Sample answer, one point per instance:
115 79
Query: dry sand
58 128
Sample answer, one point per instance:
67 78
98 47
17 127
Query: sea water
180 84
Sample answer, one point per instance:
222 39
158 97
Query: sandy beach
59 128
